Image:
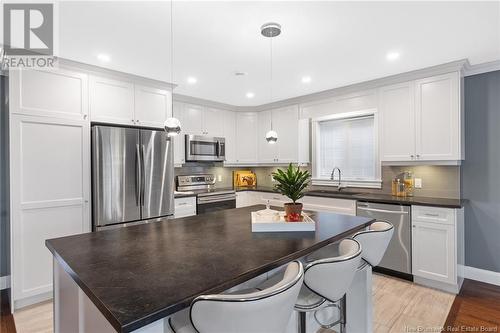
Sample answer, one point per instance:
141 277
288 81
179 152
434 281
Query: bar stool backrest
375 241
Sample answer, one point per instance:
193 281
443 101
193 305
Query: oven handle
214 198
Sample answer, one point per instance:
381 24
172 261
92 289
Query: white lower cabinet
185 207
437 247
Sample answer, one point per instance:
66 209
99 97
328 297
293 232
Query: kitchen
145 151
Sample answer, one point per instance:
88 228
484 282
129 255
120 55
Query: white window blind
350 145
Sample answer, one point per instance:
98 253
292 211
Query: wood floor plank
6 319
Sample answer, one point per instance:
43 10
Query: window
349 143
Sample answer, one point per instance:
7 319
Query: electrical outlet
219 178
418 182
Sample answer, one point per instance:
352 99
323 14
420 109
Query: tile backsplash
437 181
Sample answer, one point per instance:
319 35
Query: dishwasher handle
399 212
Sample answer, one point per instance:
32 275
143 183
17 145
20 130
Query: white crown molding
485 67
209 103
482 275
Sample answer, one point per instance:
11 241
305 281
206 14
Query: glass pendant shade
272 137
172 126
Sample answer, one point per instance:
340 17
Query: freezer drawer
398 255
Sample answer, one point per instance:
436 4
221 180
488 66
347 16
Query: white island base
75 312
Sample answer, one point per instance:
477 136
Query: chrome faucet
339 186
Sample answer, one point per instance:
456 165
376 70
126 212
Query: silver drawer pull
182 204
432 215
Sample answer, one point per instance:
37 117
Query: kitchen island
133 278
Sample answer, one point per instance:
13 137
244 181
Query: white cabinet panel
50 194
152 106
268 153
212 122
304 141
229 122
192 116
179 140
438 118
286 123
185 207
433 251
397 122
56 93
246 129
111 101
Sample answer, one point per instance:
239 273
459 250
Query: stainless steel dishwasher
397 258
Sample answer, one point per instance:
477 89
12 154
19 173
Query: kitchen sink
330 192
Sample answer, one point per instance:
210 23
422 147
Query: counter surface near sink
373 197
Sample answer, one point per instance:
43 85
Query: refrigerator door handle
143 176
138 175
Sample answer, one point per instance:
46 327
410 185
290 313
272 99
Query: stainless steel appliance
132 175
205 148
397 258
209 198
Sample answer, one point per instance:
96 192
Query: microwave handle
218 148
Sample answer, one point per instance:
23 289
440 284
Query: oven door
204 148
215 203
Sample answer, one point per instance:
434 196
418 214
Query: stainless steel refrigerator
132 175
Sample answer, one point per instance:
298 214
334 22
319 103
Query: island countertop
139 274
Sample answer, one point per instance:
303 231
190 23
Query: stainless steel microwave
205 148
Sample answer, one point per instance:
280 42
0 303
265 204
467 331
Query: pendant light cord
172 44
271 76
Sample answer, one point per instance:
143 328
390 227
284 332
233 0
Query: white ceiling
335 43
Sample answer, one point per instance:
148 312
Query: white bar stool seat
267 310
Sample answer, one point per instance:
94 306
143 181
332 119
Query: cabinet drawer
185 202
433 214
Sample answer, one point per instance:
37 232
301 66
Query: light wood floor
398 306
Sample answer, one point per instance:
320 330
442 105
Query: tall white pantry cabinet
50 167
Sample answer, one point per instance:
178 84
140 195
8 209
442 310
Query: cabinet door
179 140
229 121
152 106
111 101
438 118
192 116
50 168
241 199
397 122
185 207
267 153
433 251
304 141
212 124
57 93
246 129
286 123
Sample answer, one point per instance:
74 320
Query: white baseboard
4 282
482 275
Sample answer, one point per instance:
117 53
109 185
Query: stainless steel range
209 198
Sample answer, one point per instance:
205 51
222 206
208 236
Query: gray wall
4 200
481 171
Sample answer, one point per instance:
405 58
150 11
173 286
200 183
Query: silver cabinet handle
182 204
432 215
412 156
382 210
84 116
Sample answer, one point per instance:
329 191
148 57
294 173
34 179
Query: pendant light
271 30
172 125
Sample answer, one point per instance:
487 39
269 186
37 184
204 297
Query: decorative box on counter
268 220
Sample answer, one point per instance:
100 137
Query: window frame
316 180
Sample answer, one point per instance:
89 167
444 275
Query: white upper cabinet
438 118
212 124
420 120
192 116
229 123
111 101
397 124
286 124
179 140
246 134
268 153
152 106
60 93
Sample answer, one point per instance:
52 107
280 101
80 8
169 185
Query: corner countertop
373 197
143 273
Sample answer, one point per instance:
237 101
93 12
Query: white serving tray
261 225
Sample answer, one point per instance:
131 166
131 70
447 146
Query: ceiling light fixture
192 80
306 79
172 125
250 95
271 30
391 56
104 57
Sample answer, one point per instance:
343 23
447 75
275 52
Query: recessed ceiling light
104 57
391 56
192 80
250 95
306 79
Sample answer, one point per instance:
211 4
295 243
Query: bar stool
326 282
375 241
267 310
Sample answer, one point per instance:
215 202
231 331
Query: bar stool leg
342 314
302 322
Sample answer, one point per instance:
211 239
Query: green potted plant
292 183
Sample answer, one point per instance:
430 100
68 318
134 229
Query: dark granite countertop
374 197
143 273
